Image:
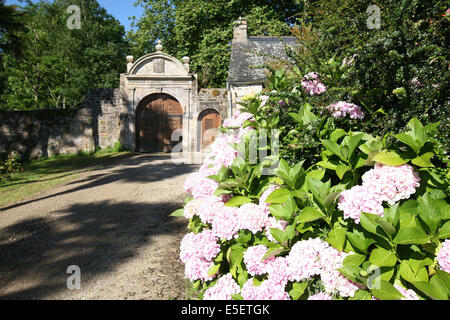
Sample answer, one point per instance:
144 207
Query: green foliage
203 30
9 165
59 65
401 245
396 72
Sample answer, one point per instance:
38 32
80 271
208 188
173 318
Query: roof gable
256 51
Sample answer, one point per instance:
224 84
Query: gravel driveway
112 223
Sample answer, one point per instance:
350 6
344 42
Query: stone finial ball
130 59
186 60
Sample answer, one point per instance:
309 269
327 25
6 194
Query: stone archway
209 121
157 117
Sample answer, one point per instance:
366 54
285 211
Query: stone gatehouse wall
43 133
213 98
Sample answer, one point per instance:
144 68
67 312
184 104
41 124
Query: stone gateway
158 107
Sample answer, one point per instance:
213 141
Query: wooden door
156 120
210 123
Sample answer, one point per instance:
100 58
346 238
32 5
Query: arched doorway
157 117
210 121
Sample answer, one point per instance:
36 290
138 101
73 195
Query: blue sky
120 9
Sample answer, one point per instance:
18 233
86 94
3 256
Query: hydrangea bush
364 222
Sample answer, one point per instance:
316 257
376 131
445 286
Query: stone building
158 107
159 82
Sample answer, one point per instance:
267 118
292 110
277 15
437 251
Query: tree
203 30
61 64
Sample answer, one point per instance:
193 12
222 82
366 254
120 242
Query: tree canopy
60 64
203 30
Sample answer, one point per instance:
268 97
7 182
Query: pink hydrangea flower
197 269
391 183
252 217
191 181
312 85
199 246
205 208
265 291
223 289
304 259
238 119
226 223
204 188
320 296
197 252
407 293
341 109
357 200
278 271
443 256
332 280
253 259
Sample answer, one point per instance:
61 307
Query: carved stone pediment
158 64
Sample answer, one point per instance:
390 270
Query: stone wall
43 133
216 99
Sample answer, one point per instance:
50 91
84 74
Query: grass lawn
43 174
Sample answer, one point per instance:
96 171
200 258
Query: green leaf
178 213
298 289
274 251
361 295
237 297
333 147
368 222
238 201
290 232
220 192
280 195
409 141
386 226
309 214
387 273
336 134
327 165
441 285
236 255
281 211
431 290
390 158
382 258
354 260
386 291
283 171
429 212
336 237
213 269
353 273
341 170
319 189
444 277
359 241
407 273
444 233
411 236
354 143
297 175
424 160
278 234
392 215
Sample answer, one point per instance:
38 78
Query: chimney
240 30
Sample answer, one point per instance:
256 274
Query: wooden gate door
210 122
156 120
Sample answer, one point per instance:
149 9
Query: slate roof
255 52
